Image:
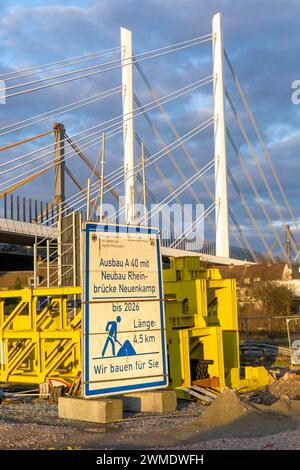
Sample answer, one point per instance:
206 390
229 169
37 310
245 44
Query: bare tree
272 298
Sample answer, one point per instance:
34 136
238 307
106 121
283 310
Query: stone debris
287 387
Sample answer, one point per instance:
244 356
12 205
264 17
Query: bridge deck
23 233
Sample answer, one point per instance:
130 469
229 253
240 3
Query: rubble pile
286 388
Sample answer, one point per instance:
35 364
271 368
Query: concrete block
96 410
159 401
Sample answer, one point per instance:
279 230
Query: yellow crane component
202 330
40 332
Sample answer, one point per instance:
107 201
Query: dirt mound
225 409
288 387
287 407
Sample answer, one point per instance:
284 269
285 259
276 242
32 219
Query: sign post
124 345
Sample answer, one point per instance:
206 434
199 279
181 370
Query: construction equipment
202 330
40 332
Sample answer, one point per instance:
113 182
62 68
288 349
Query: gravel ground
33 424
282 441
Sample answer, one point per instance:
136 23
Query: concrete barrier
103 410
160 401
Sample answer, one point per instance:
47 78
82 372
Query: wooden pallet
200 393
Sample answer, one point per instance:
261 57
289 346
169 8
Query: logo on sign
125 349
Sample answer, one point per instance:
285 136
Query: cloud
261 38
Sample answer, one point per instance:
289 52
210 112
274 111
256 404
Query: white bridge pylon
221 194
220 158
128 130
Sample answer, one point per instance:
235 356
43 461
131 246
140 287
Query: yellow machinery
40 333
202 330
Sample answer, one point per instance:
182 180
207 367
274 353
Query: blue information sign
124 343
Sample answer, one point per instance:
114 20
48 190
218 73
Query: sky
262 40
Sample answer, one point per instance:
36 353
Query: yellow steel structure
40 332
202 328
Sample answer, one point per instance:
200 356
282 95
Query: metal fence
269 340
272 330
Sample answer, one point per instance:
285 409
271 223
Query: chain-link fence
270 341
272 330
